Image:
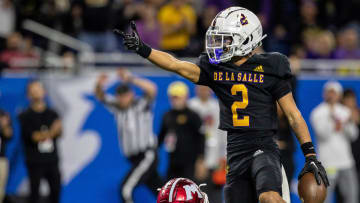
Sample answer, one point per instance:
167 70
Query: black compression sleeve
308 148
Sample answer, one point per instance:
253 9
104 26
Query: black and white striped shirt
134 126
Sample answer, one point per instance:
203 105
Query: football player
248 86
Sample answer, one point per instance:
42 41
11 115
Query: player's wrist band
308 148
144 50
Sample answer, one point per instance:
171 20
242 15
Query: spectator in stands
127 11
80 19
96 21
12 51
43 12
145 13
27 10
309 39
215 140
7 20
72 21
278 40
348 47
308 19
320 44
205 20
40 128
155 3
177 20
198 5
18 51
147 26
298 52
350 101
309 14
337 13
48 14
6 133
181 133
325 45
28 48
335 129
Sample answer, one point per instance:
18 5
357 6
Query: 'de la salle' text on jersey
248 93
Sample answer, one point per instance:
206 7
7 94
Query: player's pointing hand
133 42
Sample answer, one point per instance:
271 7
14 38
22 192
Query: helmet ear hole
246 41
252 37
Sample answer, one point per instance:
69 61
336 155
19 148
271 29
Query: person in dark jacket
40 129
182 136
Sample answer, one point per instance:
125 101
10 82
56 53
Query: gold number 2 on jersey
237 122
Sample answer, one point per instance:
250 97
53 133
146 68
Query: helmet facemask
220 47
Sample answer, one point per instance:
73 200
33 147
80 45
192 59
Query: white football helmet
235 31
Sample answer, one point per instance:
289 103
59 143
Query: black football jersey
248 93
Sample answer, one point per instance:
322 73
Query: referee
134 123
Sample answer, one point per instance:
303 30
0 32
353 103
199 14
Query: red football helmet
181 190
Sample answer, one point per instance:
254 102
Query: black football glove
133 42
312 165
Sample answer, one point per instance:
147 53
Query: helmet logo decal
243 20
191 189
182 190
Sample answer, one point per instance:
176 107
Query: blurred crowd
321 29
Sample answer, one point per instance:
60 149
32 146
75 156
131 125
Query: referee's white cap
333 85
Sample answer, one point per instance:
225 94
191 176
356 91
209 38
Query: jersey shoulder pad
278 63
203 61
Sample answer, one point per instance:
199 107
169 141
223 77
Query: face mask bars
217 50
